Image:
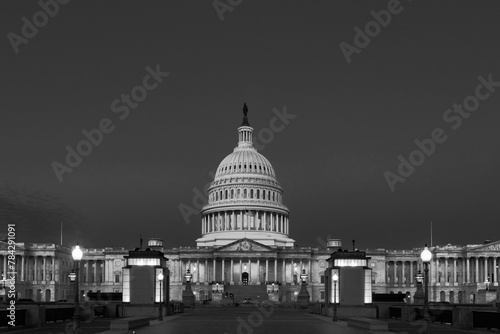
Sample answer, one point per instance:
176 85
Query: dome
247 161
245 199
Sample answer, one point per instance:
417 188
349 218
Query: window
117 278
322 295
322 280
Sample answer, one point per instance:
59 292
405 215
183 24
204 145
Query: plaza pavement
253 320
248 320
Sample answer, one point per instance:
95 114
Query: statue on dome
245 117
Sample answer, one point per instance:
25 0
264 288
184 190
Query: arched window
232 193
225 194
239 193
244 193
258 191
251 193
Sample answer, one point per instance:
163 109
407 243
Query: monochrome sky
352 119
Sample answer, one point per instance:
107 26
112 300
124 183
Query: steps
255 292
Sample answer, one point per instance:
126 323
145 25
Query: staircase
255 292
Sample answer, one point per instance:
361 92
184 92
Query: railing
56 314
481 319
19 320
436 315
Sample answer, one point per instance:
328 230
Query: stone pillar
495 270
411 272
241 270
258 270
206 270
275 270
215 272
477 270
446 270
485 268
467 270
35 267
249 264
53 272
223 269
22 268
232 271
267 270
454 270
395 273
283 271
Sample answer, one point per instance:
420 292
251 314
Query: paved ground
96 326
249 320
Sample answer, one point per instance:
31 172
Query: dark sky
352 120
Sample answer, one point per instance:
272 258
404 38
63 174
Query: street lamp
217 287
418 298
160 278
426 257
273 286
487 282
335 280
77 255
303 276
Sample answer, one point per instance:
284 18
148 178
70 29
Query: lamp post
217 285
335 279
487 283
77 256
419 297
426 257
160 278
187 294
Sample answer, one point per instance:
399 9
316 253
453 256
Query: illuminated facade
245 248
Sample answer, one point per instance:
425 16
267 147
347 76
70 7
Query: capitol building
245 248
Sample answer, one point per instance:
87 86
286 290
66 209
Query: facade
245 249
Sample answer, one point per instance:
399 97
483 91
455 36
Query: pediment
492 246
244 245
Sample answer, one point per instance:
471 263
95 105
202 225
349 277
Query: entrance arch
244 278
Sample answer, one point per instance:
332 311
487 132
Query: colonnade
235 220
446 270
231 269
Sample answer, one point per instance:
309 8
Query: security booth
348 278
146 278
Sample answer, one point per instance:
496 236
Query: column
411 272
283 272
232 271
258 270
52 276
495 270
445 270
198 270
275 270
22 268
249 261
241 271
265 222
44 268
395 273
467 269
223 269
267 270
485 268
454 270
477 270
35 268
215 272
206 270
